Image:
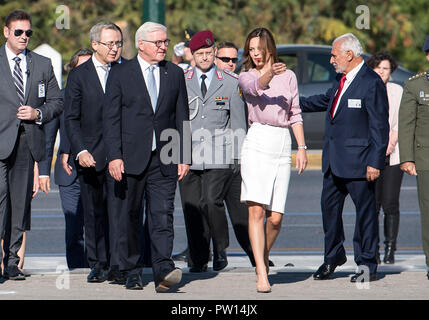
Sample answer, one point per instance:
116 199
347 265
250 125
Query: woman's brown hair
267 43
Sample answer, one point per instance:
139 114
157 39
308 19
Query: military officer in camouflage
218 122
413 142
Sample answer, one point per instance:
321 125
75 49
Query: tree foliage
396 25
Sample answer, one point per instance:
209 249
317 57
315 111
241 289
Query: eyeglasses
110 45
18 32
228 59
159 43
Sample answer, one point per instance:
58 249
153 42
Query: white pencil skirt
265 166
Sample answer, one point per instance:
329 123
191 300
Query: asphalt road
301 233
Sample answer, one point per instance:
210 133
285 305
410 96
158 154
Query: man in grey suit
29 97
217 115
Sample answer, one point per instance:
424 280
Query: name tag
42 91
354 103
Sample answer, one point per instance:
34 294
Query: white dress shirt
23 64
144 65
101 71
349 79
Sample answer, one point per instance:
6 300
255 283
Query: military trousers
423 194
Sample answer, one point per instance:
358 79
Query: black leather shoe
196 268
134 282
326 270
427 275
96 275
360 276
220 261
15 274
114 276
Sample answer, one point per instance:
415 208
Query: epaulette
232 74
419 75
189 74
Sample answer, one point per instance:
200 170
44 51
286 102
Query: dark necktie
203 85
18 80
337 95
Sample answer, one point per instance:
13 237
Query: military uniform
218 123
413 142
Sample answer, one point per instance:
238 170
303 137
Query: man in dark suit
29 97
145 117
356 136
84 127
65 177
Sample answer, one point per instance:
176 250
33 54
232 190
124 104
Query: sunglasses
18 32
227 59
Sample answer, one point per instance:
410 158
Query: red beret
201 39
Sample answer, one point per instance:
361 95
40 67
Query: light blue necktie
151 88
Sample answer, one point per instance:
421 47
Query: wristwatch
39 115
302 147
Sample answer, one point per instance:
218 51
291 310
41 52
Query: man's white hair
349 42
147 28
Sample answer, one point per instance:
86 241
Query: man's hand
182 171
86 160
116 169
45 184
26 113
409 167
64 157
372 173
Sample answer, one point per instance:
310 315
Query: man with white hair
354 150
146 98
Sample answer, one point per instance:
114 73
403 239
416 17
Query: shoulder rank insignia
232 74
190 74
419 75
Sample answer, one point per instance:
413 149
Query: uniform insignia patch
219 74
190 74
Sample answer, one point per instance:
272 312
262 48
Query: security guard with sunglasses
29 97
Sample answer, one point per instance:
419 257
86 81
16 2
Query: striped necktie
18 80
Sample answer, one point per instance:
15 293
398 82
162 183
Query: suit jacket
60 175
413 131
357 136
39 71
83 111
222 113
129 120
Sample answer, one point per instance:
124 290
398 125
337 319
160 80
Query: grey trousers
16 186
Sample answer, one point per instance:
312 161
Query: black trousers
159 192
365 238
387 189
238 213
16 188
202 193
94 201
73 213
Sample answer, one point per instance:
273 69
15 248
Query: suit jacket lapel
137 74
93 76
7 75
343 104
215 84
163 82
30 73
